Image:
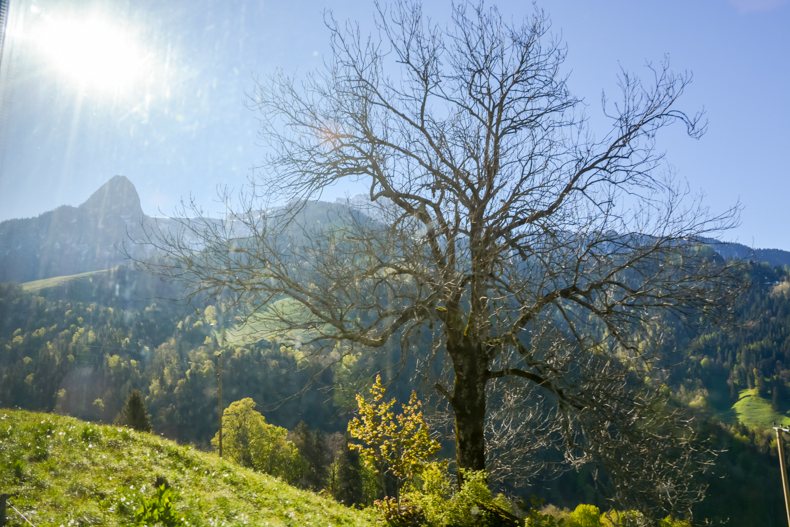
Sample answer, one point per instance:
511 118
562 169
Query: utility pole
781 449
221 343
219 398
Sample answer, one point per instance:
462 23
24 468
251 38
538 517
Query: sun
94 53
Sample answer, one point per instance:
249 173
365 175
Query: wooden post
220 345
3 498
781 448
219 398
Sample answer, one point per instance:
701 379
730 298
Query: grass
268 324
755 412
55 281
63 471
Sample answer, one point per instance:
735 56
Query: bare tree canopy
539 254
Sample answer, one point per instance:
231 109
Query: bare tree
531 250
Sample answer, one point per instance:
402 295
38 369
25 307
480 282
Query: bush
401 514
90 434
18 467
590 516
585 516
158 509
472 506
671 522
630 518
536 518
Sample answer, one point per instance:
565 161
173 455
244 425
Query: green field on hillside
756 412
267 325
54 281
62 471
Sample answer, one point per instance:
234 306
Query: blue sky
180 125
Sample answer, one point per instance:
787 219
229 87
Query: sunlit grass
268 325
756 412
46 283
63 471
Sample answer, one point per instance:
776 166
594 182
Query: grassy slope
755 412
266 325
46 283
66 471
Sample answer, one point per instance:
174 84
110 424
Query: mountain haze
70 240
96 235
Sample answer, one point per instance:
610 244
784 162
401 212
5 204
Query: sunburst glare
94 53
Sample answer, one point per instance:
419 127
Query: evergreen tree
133 414
312 447
345 478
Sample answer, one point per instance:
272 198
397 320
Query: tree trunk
469 406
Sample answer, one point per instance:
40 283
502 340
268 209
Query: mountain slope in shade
70 240
94 236
738 251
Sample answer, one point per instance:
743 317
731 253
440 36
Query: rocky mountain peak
117 197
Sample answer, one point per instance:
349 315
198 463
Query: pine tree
133 414
345 478
312 446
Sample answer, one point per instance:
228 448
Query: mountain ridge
70 240
97 234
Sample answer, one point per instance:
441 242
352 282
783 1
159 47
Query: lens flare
94 53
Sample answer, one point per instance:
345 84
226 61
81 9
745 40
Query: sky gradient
180 124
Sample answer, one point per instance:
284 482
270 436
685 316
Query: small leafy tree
252 442
396 447
133 414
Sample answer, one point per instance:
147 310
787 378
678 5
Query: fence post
3 498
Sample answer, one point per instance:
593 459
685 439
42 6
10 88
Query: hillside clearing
756 412
54 281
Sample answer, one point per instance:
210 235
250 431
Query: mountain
70 240
96 235
77 344
738 251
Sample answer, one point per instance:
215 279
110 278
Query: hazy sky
157 91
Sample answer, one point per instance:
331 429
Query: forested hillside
79 346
